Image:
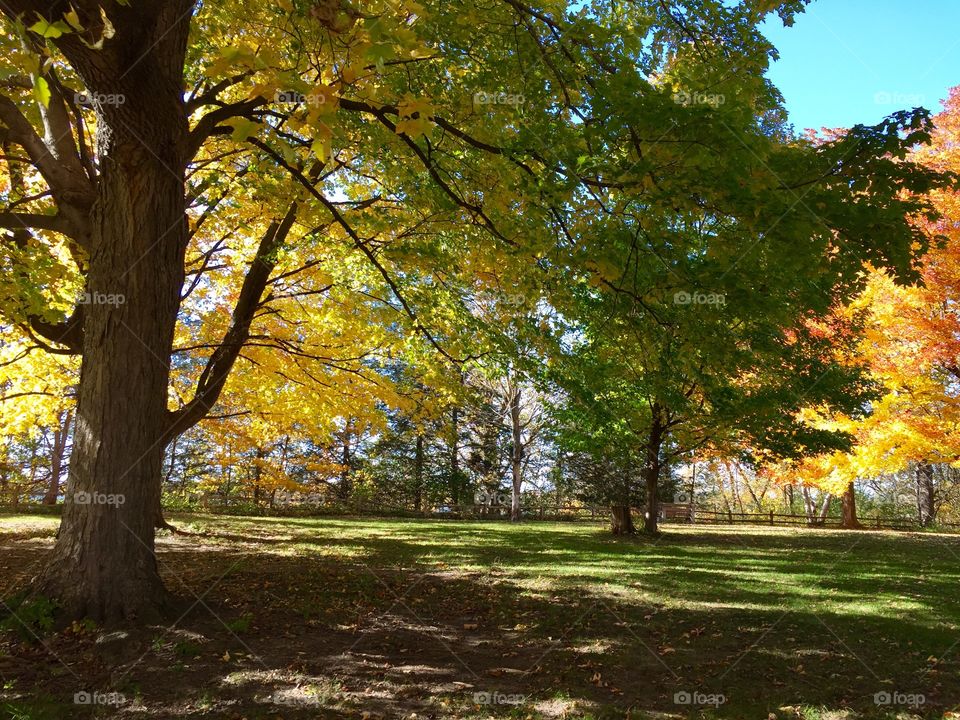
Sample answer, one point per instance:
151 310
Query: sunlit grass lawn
794 623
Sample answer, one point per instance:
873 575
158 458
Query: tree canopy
283 233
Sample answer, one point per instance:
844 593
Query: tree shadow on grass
437 622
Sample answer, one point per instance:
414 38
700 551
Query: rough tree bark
849 502
621 521
926 494
125 215
103 563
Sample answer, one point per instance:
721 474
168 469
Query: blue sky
850 61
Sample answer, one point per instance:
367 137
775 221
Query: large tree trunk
926 494
516 455
103 563
849 501
621 521
56 458
651 470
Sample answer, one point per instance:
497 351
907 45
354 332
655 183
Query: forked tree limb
214 376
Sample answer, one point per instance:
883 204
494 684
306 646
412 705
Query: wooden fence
728 517
669 513
677 513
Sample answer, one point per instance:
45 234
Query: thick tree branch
205 126
73 192
68 333
37 221
214 376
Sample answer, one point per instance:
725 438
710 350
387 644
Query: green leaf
49 30
379 52
243 128
41 91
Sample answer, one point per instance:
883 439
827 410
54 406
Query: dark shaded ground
300 618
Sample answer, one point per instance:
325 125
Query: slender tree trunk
754 498
103 564
726 498
849 501
815 516
418 475
258 476
60 436
455 456
161 522
808 504
345 488
34 469
651 470
172 464
824 509
516 455
735 486
926 494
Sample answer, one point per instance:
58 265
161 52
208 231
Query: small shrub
29 618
